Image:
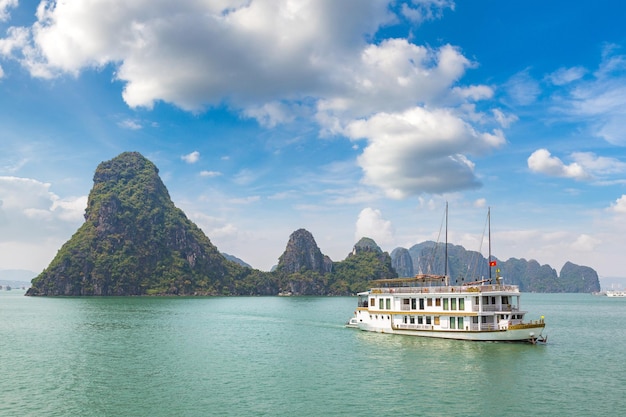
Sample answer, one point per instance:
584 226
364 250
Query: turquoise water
277 356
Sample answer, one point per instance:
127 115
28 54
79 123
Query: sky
347 118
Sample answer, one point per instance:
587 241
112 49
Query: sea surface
292 356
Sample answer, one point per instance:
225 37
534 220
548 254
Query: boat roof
420 278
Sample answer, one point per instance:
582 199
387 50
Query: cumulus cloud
191 158
420 151
585 165
279 60
541 161
619 206
585 243
239 51
371 223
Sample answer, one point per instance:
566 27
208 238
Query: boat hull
527 333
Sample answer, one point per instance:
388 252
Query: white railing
496 307
445 289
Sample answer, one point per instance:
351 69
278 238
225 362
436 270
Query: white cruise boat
428 306
616 293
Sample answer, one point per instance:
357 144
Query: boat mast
446 248
489 238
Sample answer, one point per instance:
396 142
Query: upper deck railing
445 289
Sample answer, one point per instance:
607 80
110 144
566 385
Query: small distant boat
616 293
428 306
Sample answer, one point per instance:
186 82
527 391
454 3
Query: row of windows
448 303
454 322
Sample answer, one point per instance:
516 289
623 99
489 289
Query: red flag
493 263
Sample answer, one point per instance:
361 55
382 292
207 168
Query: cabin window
483 319
388 303
461 303
405 320
453 304
476 301
460 321
429 302
437 302
505 299
405 302
445 304
421 303
452 323
412 319
436 321
493 300
475 319
413 303
428 320
420 320
485 300
373 302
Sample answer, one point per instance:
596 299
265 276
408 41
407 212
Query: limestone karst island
135 241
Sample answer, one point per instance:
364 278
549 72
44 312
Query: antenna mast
489 223
446 247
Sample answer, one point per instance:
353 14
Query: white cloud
5 5
210 174
541 161
585 243
1 72
564 76
34 220
422 10
503 119
278 60
619 206
420 151
599 165
586 165
371 223
600 102
522 88
130 124
191 158
239 51
480 203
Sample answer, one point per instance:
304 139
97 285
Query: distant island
136 242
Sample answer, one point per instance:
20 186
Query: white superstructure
427 306
616 293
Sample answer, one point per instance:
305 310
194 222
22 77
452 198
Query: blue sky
346 118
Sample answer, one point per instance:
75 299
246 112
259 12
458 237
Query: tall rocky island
135 242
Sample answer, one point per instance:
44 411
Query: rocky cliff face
135 241
464 266
303 254
402 262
